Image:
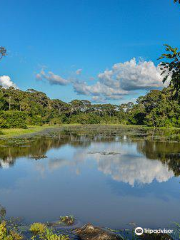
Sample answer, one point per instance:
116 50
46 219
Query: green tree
171 68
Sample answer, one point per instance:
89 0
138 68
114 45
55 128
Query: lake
108 176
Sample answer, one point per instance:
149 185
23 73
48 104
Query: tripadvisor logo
138 231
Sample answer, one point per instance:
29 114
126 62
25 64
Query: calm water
106 177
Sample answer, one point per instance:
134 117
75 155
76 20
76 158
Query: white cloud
52 78
122 79
5 82
103 91
78 71
134 75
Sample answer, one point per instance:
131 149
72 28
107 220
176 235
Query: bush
13 119
6 234
35 120
82 118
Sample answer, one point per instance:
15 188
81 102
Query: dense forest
21 108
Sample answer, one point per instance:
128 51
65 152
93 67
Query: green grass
14 132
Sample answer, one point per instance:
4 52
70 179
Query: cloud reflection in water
118 160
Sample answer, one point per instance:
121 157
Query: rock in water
89 232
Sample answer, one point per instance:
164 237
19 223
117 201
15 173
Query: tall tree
171 68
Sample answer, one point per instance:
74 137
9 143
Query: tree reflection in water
164 155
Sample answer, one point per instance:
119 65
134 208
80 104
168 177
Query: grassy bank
15 132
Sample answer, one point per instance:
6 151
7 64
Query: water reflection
124 159
134 170
166 152
94 176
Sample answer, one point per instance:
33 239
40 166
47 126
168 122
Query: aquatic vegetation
38 228
6 234
68 220
105 153
41 231
52 236
38 157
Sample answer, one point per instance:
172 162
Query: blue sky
49 40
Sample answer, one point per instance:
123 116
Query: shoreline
70 231
19 132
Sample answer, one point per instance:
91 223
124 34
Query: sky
104 51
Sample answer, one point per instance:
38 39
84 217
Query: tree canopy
21 108
171 68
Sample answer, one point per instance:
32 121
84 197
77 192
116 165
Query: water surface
106 177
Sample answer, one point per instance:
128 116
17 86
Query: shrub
35 120
13 119
6 234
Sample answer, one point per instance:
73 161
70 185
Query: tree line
21 108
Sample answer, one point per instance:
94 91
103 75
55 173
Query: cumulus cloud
5 82
113 84
78 71
123 79
134 75
52 78
99 90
